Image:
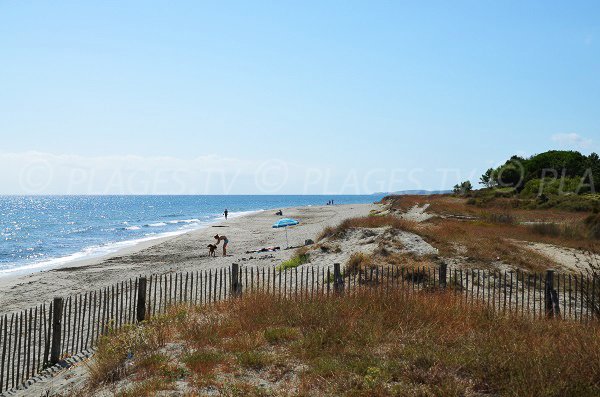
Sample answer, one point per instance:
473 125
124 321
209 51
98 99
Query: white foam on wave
91 252
157 224
132 228
240 213
174 222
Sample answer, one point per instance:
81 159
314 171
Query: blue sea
38 232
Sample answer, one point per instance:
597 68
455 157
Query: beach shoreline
183 252
128 247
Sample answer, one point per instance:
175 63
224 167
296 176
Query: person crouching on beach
225 242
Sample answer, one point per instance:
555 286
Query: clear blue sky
350 88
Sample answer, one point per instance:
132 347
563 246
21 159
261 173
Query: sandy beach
185 252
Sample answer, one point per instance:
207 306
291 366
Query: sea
40 232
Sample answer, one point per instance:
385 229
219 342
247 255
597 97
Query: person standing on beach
225 242
225 213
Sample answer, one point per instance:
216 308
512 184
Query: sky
323 97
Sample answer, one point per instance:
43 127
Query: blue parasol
285 222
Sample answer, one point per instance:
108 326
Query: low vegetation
571 202
577 173
469 208
300 257
358 345
565 180
357 262
592 224
473 236
365 222
478 242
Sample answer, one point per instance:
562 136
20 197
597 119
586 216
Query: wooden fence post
443 271
236 286
56 330
141 300
338 281
548 302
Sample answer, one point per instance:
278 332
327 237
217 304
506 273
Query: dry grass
481 242
457 206
408 260
592 224
109 365
365 222
493 233
358 261
364 345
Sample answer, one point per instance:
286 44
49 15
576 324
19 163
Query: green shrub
295 261
280 334
592 224
462 188
200 356
148 387
153 361
572 231
504 218
553 187
506 192
572 202
253 359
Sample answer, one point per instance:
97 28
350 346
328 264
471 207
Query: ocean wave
79 230
132 228
157 224
237 214
90 252
184 221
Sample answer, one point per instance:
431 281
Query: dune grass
364 222
357 262
483 242
484 236
361 345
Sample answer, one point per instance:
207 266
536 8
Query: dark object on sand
308 242
268 249
279 213
211 249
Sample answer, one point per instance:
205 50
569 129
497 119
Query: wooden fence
36 338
